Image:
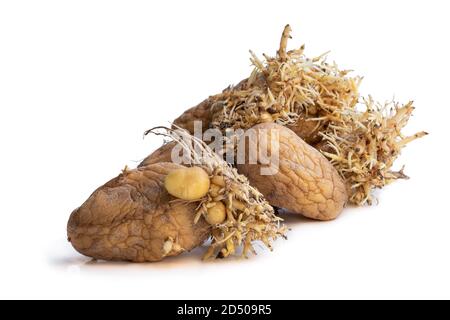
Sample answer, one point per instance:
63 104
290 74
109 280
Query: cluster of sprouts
249 217
364 145
361 137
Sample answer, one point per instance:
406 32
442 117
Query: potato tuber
306 181
216 213
187 183
133 218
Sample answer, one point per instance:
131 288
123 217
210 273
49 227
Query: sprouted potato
239 213
322 104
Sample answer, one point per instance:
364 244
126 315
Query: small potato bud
167 247
218 180
214 191
266 117
188 183
238 205
216 214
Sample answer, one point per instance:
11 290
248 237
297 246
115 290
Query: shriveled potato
132 218
306 182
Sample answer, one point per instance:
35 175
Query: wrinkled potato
306 182
133 218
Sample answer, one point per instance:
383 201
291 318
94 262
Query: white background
81 80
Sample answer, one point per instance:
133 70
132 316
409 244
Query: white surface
81 80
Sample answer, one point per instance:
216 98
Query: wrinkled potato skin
130 217
306 182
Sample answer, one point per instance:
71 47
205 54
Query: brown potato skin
306 182
130 217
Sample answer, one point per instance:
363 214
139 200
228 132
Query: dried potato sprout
320 103
248 217
364 145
